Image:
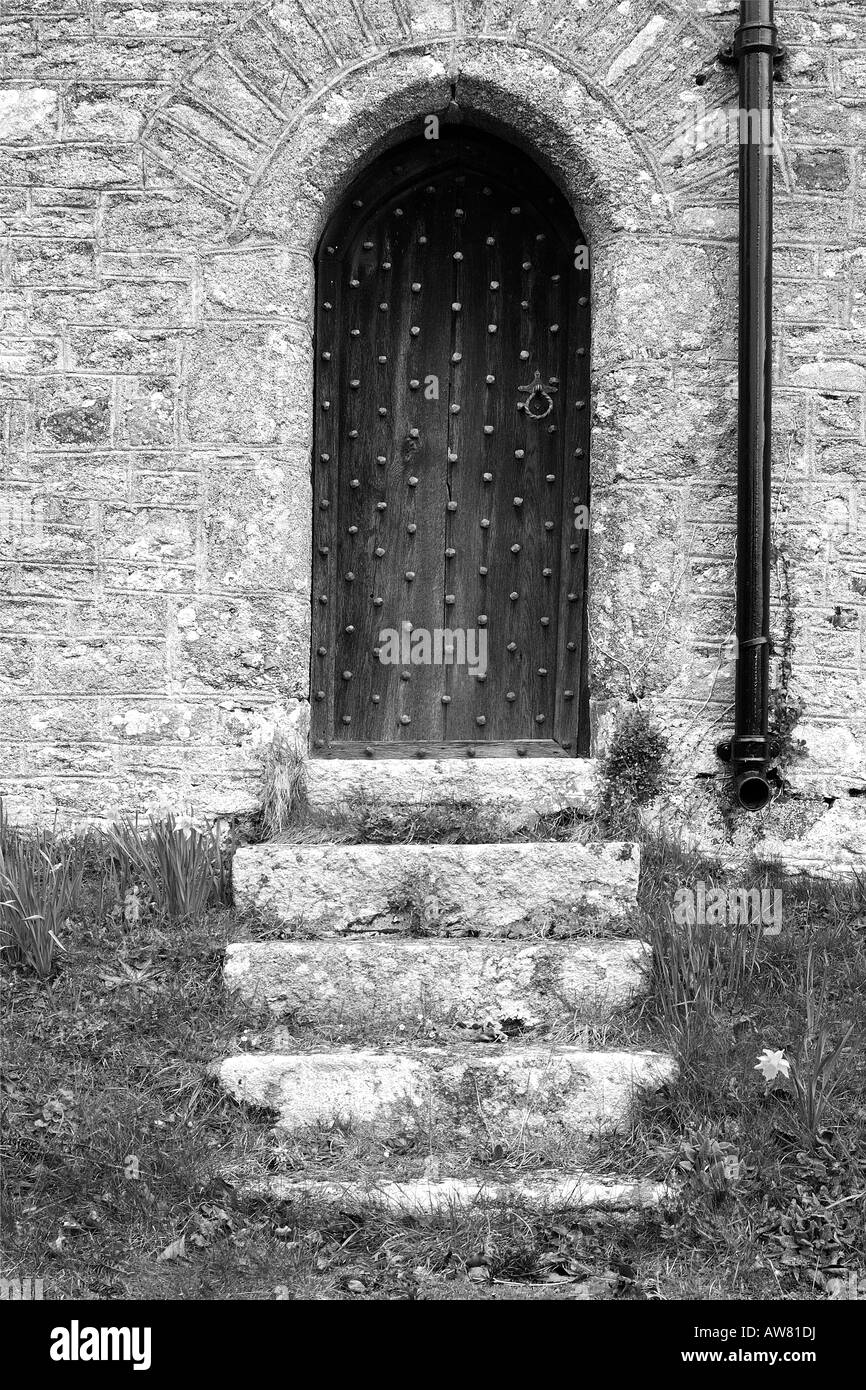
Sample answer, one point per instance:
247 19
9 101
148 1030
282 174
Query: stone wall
165 172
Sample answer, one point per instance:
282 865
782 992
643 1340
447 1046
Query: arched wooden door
450 465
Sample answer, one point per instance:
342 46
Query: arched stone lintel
551 110
641 321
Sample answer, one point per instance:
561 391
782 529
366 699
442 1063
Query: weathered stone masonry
165 173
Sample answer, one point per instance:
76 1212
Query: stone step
388 982
539 1191
481 1094
504 787
561 886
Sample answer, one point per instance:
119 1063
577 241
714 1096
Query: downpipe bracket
752 750
729 54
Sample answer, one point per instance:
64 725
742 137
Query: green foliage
784 716
180 868
699 968
710 1162
817 1071
40 884
635 766
772 1160
785 711
168 867
429 825
134 1148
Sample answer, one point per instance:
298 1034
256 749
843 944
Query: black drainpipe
754 50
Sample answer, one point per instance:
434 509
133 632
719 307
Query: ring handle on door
536 391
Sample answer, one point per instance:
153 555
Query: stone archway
261 146
266 258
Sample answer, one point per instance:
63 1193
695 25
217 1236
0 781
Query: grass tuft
40 886
283 787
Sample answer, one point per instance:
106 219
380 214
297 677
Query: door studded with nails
450 461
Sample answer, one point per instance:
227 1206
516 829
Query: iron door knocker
544 393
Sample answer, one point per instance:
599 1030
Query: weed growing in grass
710 1162
40 886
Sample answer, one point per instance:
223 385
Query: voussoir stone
466 1093
467 981
470 888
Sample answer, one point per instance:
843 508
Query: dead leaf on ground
175 1251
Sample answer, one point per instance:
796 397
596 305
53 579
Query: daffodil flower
772 1064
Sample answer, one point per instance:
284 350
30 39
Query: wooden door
450 461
